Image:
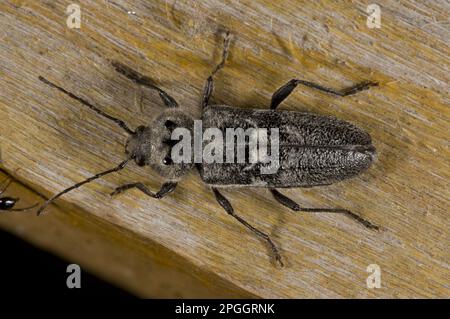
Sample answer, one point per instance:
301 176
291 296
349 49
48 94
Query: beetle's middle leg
166 189
283 92
286 201
229 209
209 86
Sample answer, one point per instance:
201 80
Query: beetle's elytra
314 150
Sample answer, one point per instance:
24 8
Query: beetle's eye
140 161
167 160
171 143
140 129
170 124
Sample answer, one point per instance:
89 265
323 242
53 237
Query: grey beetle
314 150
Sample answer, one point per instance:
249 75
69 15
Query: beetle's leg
229 209
284 91
140 79
5 185
286 201
209 86
166 188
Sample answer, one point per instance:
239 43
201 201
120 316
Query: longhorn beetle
8 203
314 150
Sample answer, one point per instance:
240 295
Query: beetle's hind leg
209 86
286 201
229 209
283 92
166 189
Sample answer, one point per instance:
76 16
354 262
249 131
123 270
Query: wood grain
49 142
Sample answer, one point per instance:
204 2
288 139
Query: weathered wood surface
49 142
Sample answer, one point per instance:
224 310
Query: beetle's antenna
90 179
89 105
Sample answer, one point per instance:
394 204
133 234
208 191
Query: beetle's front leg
140 79
283 92
229 209
286 201
166 188
209 86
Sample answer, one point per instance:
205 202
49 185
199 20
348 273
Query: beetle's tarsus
209 86
166 189
358 88
361 220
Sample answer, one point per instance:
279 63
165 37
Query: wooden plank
138 264
50 141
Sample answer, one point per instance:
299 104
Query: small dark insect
314 150
8 203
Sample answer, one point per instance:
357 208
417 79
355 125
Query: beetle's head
152 145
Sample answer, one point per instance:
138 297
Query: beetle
7 203
314 150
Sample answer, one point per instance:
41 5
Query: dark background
26 270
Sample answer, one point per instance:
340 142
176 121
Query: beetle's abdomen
313 149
